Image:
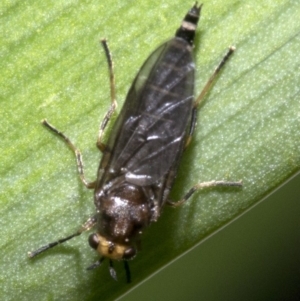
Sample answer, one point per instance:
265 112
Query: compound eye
129 253
94 241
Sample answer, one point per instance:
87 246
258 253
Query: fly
141 157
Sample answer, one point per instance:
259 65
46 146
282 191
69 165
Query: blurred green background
256 257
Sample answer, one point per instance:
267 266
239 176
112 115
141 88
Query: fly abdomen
189 24
158 108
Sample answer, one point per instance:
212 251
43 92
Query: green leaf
52 67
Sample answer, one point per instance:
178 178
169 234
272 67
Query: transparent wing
150 131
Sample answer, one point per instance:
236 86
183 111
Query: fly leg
204 185
204 91
86 226
192 128
100 144
107 116
76 151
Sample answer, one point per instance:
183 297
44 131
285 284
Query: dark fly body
141 157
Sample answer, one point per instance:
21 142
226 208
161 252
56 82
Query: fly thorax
124 212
